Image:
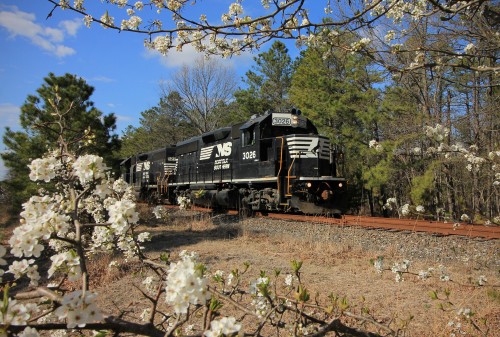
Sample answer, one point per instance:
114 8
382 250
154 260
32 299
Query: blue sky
124 74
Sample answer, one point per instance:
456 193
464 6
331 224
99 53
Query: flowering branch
235 31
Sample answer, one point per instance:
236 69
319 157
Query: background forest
376 119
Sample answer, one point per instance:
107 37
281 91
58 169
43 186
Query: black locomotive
273 162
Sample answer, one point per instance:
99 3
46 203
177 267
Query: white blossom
44 168
379 264
235 9
469 49
390 202
122 214
107 20
89 167
16 313
185 285
225 326
29 332
87 20
184 202
373 144
162 44
465 218
66 262
438 133
78 309
405 210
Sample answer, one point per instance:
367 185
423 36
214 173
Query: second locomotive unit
273 162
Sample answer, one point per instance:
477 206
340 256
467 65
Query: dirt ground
343 269
340 266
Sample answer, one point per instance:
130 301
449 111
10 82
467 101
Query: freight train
272 162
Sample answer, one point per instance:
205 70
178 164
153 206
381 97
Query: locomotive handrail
281 165
288 177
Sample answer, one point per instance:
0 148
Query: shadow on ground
188 230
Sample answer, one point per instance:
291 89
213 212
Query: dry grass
343 269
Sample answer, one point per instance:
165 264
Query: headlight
309 184
295 120
340 185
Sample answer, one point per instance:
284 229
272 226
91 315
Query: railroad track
434 227
392 224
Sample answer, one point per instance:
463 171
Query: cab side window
248 137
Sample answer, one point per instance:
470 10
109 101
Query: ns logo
224 150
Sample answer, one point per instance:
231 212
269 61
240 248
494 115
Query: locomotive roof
157 154
254 121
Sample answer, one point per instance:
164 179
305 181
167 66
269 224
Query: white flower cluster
397 10
290 279
67 262
235 9
184 202
361 44
29 332
139 5
390 203
39 220
149 284
87 20
44 168
78 308
226 326
373 144
405 210
122 214
25 267
458 326
470 48
399 269
160 212
389 36
14 313
185 285
132 23
160 43
379 264
259 302
474 162
420 209
107 20
89 168
438 133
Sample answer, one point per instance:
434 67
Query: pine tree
71 95
268 82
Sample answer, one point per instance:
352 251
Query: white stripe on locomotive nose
206 152
308 147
